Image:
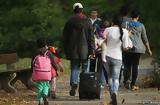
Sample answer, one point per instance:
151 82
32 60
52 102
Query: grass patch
20 64
23 63
66 64
26 63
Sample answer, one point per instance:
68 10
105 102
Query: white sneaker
102 87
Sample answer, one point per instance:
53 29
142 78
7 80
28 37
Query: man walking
78 43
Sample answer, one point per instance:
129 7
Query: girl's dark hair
135 13
41 42
78 10
117 20
105 24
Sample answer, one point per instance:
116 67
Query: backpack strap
34 59
39 55
46 53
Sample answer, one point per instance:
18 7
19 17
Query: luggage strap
88 67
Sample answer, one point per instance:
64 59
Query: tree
22 22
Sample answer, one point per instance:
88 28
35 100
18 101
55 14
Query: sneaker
45 99
102 87
114 99
127 84
134 88
73 90
40 103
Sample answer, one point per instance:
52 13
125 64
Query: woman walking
116 40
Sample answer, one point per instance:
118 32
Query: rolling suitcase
89 86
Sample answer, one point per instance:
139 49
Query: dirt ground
144 96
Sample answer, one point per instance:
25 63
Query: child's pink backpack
42 68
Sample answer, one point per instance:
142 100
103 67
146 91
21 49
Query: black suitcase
89 86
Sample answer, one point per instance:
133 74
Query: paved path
144 96
147 96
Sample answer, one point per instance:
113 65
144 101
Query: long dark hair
117 20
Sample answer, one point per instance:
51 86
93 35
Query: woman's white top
114 44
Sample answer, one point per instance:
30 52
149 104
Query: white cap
77 4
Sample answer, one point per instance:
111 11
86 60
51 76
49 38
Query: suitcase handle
88 67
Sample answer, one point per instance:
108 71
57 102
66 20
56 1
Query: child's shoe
45 99
53 95
40 103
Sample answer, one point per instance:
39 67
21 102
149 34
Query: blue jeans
101 74
113 74
75 67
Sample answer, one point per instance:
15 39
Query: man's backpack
41 67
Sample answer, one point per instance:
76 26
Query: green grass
66 64
26 63
21 63
2 67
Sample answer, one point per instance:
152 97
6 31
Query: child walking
54 72
41 65
101 55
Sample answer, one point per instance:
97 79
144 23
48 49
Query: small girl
54 72
41 66
104 25
100 29
101 45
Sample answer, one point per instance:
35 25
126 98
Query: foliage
156 73
23 21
